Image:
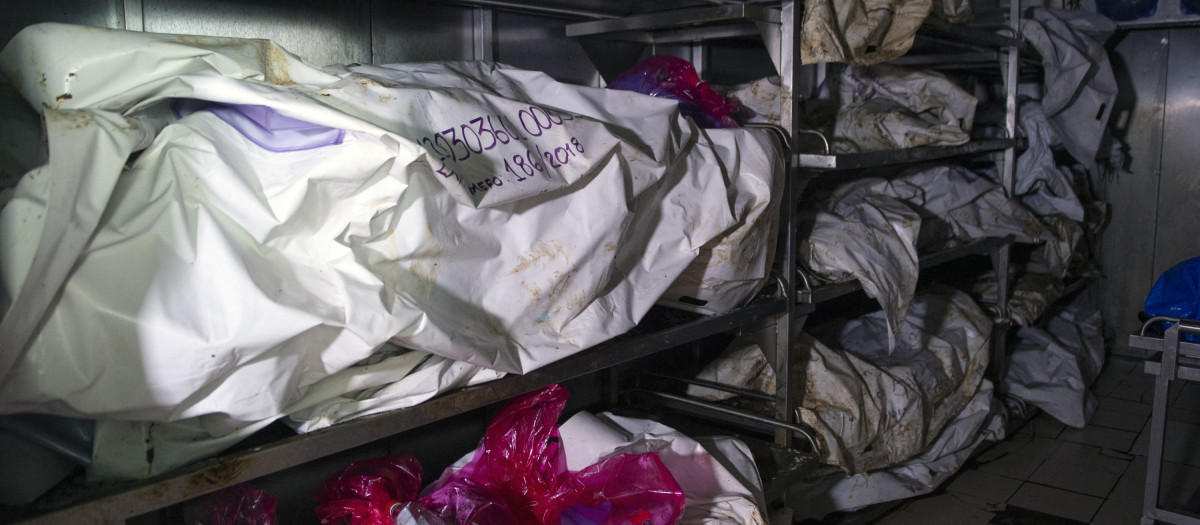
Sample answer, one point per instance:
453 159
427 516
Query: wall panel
319 31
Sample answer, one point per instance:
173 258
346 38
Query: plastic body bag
520 466
364 492
239 505
342 247
1176 293
670 77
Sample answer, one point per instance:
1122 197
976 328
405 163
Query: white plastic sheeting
979 421
871 408
1080 87
1039 184
742 364
1052 368
867 229
216 278
733 267
860 31
899 424
885 107
140 449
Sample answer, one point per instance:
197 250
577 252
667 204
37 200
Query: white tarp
871 408
867 229
215 278
1080 87
861 31
1052 368
733 267
899 424
1039 184
884 107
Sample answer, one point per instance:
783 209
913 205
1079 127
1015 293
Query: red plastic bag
675 78
519 468
363 493
239 505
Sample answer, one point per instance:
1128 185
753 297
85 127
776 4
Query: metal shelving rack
778 28
771 318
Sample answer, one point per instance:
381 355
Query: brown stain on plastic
277 67
226 472
544 252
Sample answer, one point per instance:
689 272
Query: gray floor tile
952 508
1183 415
1076 478
1094 457
1179 487
1046 426
1114 512
1118 420
1189 398
1058 502
904 517
1124 405
1030 445
1012 465
1182 444
1140 391
1119 440
990 487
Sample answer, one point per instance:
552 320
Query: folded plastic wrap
1039 184
474 211
884 107
1053 368
861 234
733 267
741 364
868 229
871 408
860 31
1080 88
979 421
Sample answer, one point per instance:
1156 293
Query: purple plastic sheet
266 127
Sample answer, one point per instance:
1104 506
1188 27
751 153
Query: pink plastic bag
363 493
519 469
675 78
239 505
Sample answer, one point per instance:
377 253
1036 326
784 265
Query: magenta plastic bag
675 78
363 493
518 475
238 505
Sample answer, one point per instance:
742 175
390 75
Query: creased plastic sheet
863 235
1039 184
872 409
741 364
376 236
860 31
140 449
733 267
868 229
1080 87
1052 368
884 107
719 479
979 421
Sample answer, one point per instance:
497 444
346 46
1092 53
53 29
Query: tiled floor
1049 473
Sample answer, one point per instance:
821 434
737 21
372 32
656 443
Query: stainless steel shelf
876 159
115 502
820 294
681 25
